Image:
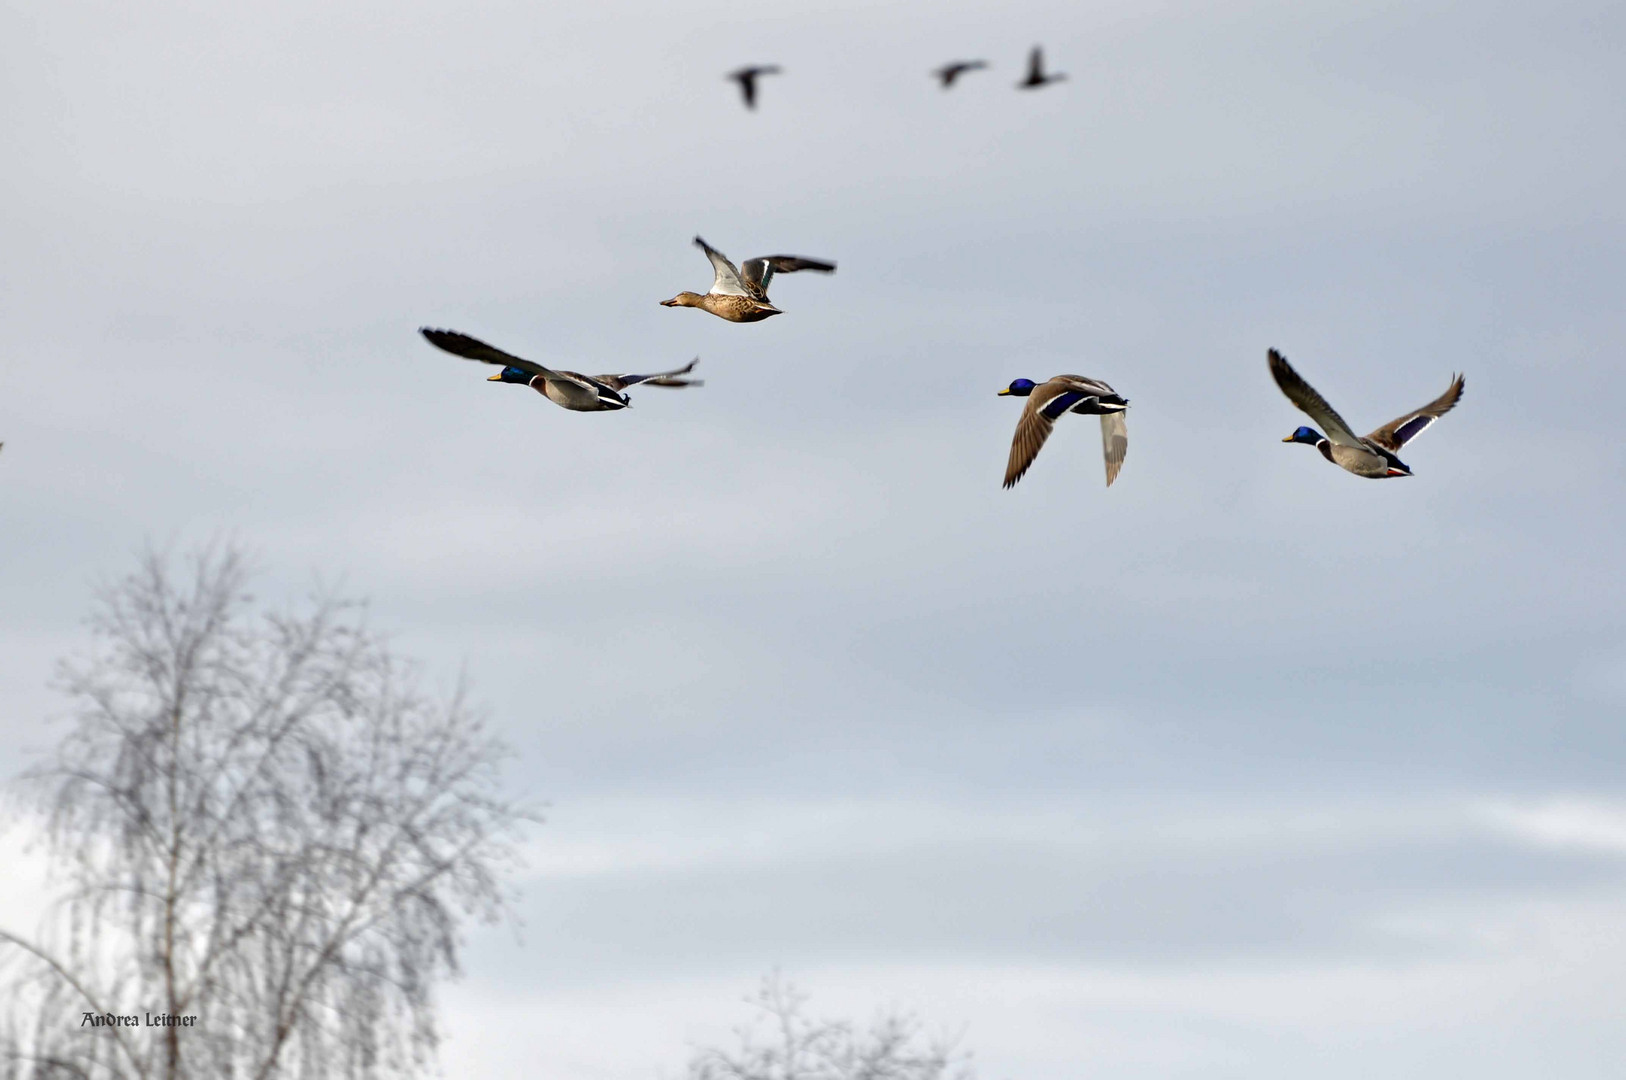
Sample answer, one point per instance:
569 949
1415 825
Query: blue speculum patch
1411 427
1062 403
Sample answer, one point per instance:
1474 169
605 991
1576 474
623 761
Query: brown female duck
741 294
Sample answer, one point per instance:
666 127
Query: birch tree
785 1042
265 838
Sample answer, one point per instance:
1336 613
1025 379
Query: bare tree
784 1043
266 838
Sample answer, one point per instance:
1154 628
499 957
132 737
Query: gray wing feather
662 378
1085 384
1033 428
1114 443
759 271
474 349
1312 404
727 281
1403 429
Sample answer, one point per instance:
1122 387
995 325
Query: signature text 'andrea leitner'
145 1020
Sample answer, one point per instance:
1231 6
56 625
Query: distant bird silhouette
740 293
1050 401
949 72
1036 73
573 390
1371 455
747 78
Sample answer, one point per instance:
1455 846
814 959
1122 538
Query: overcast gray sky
1245 767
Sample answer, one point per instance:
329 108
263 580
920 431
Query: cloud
1576 823
1094 881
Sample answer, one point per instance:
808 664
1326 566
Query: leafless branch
259 820
893 1047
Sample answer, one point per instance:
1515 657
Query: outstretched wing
663 378
727 282
475 349
1312 404
1398 432
1034 427
949 72
1114 443
756 273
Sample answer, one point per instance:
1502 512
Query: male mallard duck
951 71
579 393
747 78
742 295
1036 73
1372 456
1047 401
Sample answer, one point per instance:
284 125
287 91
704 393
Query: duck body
733 307
1048 402
740 293
1368 460
1374 455
567 389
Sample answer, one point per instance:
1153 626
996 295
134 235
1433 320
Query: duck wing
951 71
1402 430
1087 386
1048 401
1036 66
1311 403
474 349
727 281
662 378
1114 443
757 272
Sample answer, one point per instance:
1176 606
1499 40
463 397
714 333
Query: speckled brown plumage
726 306
740 294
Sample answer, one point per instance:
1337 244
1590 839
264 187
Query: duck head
683 299
1018 388
1307 435
513 375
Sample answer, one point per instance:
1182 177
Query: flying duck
1047 402
1373 455
741 295
1037 76
951 71
747 78
573 391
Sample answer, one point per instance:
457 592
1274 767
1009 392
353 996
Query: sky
1245 767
